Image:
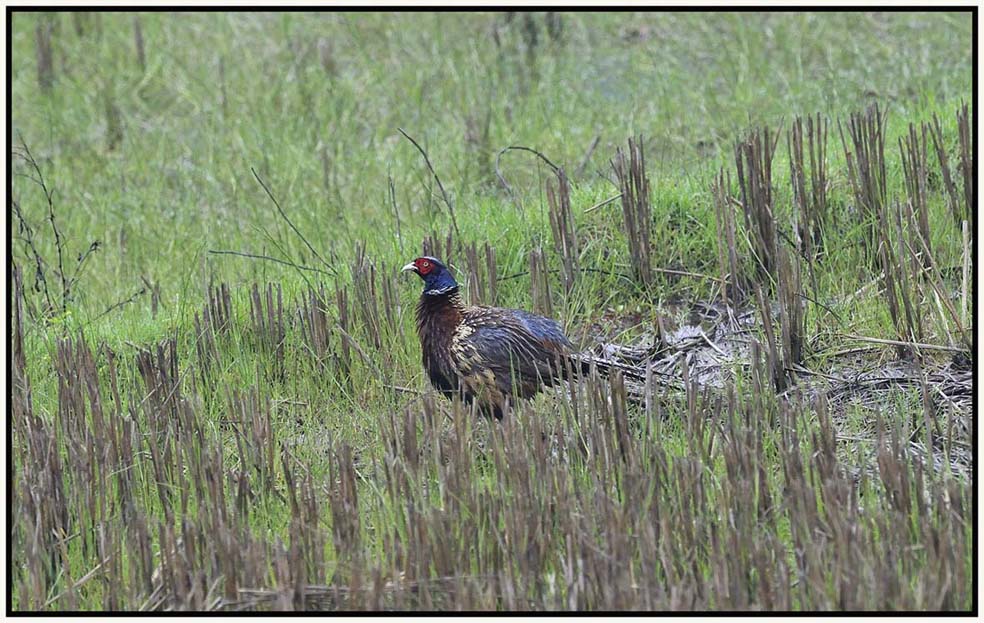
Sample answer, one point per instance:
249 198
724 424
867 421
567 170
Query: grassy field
193 429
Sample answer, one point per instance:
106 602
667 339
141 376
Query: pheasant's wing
514 349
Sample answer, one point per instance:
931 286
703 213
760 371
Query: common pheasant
487 354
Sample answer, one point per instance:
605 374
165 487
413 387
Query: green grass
313 103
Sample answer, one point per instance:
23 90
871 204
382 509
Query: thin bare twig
289 222
684 273
667 271
396 211
85 578
403 390
39 278
358 348
935 279
557 270
633 183
93 247
115 306
271 259
821 305
498 172
876 340
587 156
444 194
713 345
49 194
602 204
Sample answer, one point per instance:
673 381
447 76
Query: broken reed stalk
540 282
396 211
774 354
364 283
218 309
482 274
933 276
811 203
120 304
475 283
808 221
224 94
345 356
965 281
579 170
967 169
215 320
477 135
603 203
892 234
919 345
114 119
792 309
753 158
389 288
914 260
255 434
267 314
898 279
316 326
730 277
492 275
816 133
138 43
562 227
344 505
865 155
634 186
936 133
914 166
43 51
797 177
431 245
17 343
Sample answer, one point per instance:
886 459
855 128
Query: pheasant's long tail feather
582 363
635 376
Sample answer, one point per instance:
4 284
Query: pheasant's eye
425 264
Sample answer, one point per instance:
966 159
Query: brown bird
487 354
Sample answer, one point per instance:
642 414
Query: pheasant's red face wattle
423 266
438 280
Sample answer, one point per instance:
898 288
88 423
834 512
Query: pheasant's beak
411 266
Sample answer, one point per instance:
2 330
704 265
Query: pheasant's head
437 278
